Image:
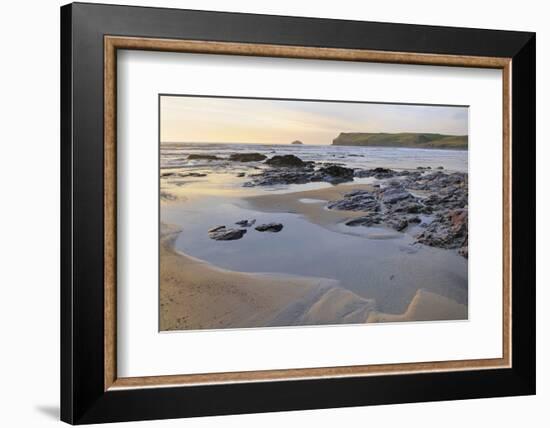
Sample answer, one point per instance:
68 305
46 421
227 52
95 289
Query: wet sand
197 295
314 212
425 306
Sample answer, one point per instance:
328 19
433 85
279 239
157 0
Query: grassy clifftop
403 139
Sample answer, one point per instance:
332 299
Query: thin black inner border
236 97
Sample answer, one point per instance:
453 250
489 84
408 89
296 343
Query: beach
251 237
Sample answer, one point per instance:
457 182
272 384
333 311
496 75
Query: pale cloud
205 119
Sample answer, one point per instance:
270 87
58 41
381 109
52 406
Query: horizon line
304 144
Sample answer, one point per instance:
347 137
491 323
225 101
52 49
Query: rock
443 200
165 196
245 223
447 230
392 195
269 227
358 200
292 170
224 234
192 174
215 229
278 176
247 157
241 174
167 174
440 167
459 220
367 220
201 156
378 173
337 173
397 223
285 160
297 142
410 206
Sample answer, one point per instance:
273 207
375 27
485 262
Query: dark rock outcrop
192 174
442 200
221 233
378 173
246 223
368 220
336 173
269 227
395 194
285 161
447 230
247 157
202 156
277 176
358 200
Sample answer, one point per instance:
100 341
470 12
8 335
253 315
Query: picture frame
91 390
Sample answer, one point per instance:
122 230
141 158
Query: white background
142 351
29 218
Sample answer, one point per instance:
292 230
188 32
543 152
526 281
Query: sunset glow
205 119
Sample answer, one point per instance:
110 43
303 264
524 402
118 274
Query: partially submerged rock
442 200
221 233
277 176
336 173
297 142
378 173
397 223
166 196
358 200
368 220
202 156
289 169
269 227
246 223
247 157
285 161
192 174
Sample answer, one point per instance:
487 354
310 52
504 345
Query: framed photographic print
265 213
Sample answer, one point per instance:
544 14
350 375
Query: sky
238 120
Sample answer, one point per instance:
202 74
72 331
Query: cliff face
404 139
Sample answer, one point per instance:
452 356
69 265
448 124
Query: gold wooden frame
113 43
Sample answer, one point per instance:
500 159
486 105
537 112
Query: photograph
282 212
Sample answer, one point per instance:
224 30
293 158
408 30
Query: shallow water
372 262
